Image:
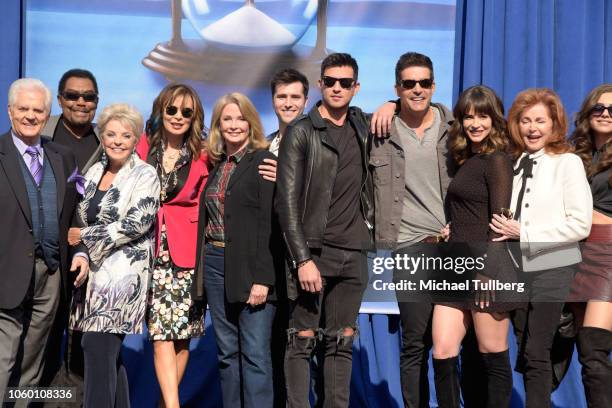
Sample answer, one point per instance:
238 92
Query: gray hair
29 84
125 114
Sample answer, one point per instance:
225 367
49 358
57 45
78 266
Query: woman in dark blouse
482 187
592 287
237 252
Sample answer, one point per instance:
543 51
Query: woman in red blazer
173 145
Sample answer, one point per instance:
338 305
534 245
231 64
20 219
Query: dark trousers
65 370
24 330
243 335
106 383
535 326
414 355
327 313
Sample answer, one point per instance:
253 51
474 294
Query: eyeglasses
346 83
599 109
74 96
172 110
411 83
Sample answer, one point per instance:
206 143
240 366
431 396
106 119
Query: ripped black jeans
327 314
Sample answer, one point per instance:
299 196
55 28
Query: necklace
72 132
168 176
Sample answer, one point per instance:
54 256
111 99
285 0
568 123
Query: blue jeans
243 337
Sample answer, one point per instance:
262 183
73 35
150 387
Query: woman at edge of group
552 207
173 145
592 287
236 263
116 218
482 187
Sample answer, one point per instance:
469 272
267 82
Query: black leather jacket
307 167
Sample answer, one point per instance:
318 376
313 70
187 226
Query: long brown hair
582 137
557 144
484 101
155 126
216 144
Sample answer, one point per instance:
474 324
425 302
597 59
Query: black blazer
16 235
253 248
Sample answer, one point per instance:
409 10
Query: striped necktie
35 166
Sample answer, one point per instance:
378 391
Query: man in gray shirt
412 169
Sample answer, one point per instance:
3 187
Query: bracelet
302 263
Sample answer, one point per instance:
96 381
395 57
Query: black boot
594 346
499 379
447 382
473 373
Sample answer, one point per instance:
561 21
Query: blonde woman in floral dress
115 218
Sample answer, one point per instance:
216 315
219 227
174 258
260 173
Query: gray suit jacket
49 130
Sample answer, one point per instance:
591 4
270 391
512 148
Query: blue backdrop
511 45
375 380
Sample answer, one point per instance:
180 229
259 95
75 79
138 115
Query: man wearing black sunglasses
77 95
74 128
324 207
411 169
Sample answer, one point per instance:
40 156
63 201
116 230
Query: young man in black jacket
324 200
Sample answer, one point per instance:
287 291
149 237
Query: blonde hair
216 143
123 113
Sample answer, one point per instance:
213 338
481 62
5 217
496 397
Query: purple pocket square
79 181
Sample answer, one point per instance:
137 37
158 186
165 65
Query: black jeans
535 326
414 355
416 310
344 275
106 383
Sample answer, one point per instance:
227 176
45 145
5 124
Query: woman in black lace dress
481 187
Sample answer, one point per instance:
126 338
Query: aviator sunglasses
74 96
346 83
172 110
599 109
411 83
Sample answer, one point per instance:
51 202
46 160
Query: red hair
528 98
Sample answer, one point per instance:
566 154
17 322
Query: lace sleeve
499 175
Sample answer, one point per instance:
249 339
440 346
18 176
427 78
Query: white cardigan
556 212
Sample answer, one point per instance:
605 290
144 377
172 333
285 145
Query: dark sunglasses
172 110
599 109
74 96
346 83
411 83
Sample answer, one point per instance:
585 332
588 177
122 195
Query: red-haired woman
552 205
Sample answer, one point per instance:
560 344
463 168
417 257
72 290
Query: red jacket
181 213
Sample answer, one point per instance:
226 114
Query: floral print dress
172 315
120 249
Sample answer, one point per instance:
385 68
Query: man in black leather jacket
324 198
